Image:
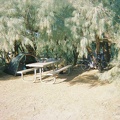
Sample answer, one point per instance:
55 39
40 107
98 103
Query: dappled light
88 77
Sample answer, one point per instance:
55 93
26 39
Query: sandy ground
79 96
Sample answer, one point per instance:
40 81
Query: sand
78 96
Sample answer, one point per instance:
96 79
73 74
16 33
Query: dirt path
74 97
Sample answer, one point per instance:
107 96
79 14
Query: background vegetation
66 28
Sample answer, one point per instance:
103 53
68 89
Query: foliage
53 32
54 28
11 25
90 19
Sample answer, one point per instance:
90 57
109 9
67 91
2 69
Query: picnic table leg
35 75
54 79
41 71
22 76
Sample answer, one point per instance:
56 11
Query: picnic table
40 66
39 72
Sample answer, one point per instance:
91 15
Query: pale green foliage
90 19
12 23
51 18
62 26
8 26
83 44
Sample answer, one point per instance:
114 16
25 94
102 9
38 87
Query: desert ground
77 96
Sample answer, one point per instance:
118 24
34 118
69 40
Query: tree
91 19
13 28
58 28
53 32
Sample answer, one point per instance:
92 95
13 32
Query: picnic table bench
55 72
22 72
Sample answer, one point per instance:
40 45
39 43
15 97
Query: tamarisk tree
91 19
12 25
53 32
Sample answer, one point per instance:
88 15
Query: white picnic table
40 66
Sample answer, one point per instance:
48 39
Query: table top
42 64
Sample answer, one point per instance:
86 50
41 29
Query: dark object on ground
19 63
101 62
97 62
2 64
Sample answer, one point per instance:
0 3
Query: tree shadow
4 76
75 77
83 77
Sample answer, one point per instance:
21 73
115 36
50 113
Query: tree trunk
97 44
107 52
16 46
75 54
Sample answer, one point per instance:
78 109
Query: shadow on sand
83 77
75 77
4 76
